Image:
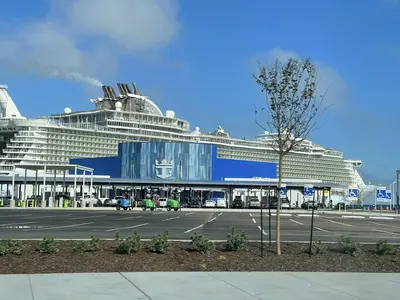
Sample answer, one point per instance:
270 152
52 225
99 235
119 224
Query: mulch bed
181 258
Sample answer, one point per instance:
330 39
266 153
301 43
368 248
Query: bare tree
293 108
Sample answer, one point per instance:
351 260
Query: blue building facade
175 161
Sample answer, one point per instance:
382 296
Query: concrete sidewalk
232 286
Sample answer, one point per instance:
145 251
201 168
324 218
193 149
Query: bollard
1 203
12 203
19 203
66 203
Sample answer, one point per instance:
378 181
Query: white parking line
159 213
220 214
250 215
254 221
47 217
187 231
173 218
89 217
188 214
264 233
129 227
383 231
23 223
59 227
381 218
12 216
381 224
296 222
211 220
340 223
320 229
129 218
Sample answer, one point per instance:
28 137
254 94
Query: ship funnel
127 88
108 92
8 107
135 89
105 91
121 89
112 92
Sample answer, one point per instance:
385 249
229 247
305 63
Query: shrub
347 245
10 247
88 246
48 246
201 244
318 248
384 248
235 242
160 243
130 245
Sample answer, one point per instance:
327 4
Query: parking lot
28 224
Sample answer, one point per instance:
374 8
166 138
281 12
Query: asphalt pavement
81 224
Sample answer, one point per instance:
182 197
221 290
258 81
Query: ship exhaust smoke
76 77
37 69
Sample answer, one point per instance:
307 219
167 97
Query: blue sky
197 58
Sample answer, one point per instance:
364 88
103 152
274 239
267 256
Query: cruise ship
130 116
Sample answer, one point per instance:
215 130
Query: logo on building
164 168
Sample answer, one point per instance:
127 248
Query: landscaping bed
131 255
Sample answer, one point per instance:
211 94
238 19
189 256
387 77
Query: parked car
237 203
254 202
285 203
162 202
209 203
309 205
221 203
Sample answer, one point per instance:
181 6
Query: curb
308 215
381 218
353 217
282 215
188 241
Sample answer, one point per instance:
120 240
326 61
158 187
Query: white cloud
86 36
329 79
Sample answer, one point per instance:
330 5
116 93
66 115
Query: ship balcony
31 140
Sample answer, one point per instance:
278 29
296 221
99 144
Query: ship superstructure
130 116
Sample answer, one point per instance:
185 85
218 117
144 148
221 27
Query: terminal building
186 161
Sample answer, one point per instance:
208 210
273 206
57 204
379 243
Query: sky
197 59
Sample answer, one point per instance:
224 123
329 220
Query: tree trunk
278 209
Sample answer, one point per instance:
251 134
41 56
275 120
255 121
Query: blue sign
308 192
389 196
283 191
381 194
353 194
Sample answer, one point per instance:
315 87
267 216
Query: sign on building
381 194
353 194
283 191
308 192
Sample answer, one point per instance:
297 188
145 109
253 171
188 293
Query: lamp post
393 192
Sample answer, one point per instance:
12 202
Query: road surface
75 224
